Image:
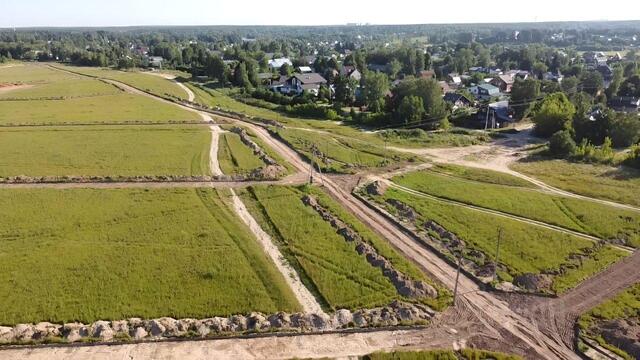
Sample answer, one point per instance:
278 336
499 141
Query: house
351 72
549 76
305 69
484 91
445 87
427 74
454 79
457 100
518 74
495 115
156 61
299 83
276 64
503 82
624 103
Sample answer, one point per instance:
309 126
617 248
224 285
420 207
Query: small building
484 91
457 101
156 61
351 72
299 83
454 79
276 64
503 82
555 77
624 103
427 74
444 86
305 69
495 115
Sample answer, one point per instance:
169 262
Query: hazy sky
21 13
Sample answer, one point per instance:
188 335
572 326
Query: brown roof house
503 82
299 83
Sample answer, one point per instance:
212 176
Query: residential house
555 77
518 74
445 87
503 82
156 61
427 74
624 103
276 64
495 115
484 91
304 69
299 83
454 80
351 72
457 101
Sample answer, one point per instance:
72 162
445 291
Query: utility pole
455 288
486 121
495 270
313 159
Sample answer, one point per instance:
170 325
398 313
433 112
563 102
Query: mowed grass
488 191
79 100
86 255
148 82
524 248
235 157
620 184
121 108
328 265
104 151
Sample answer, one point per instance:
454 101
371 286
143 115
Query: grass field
524 248
598 181
343 155
114 254
104 151
85 100
144 81
625 306
328 265
585 216
235 157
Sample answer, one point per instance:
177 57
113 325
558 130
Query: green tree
625 130
555 114
616 82
286 70
393 68
411 109
569 85
524 94
241 76
216 68
376 86
345 90
630 87
562 144
592 82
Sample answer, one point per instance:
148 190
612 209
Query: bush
561 144
312 111
589 153
633 159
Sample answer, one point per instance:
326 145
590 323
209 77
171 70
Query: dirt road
304 296
214 164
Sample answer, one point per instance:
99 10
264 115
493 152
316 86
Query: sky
98 13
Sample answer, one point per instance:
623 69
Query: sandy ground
214 164
8 88
304 296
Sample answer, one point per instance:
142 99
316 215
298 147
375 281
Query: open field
584 216
235 157
112 254
622 312
143 81
338 154
524 249
599 181
56 97
327 264
104 151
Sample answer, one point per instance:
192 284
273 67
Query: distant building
299 83
276 64
305 69
155 61
351 72
485 91
495 115
457 100
624 103
503 82
427 74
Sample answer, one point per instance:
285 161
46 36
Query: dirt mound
623 334
376 188
405 211
534 282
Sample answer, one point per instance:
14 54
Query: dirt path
498 156
190 95
214 164
525 220
341 346
304 296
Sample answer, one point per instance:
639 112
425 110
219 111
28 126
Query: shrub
561 144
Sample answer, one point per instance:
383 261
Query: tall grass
235 157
